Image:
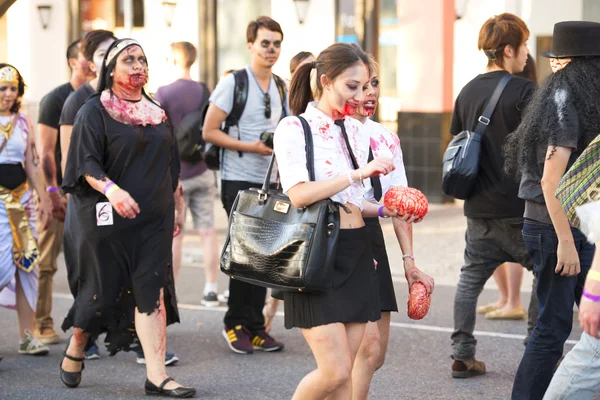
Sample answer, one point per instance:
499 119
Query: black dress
387 295
114 269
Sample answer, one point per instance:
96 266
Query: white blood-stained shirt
330 153
385 144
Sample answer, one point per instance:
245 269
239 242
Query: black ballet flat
180 392
71 379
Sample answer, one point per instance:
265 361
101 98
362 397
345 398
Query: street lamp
302 9
44 10
169 11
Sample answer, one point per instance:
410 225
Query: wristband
594 275
114 187
380 212
108 185
51 189
404 257
592 297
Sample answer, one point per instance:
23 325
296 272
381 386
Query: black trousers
246 301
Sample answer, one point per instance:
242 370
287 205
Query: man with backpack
244 111
184 101
493 210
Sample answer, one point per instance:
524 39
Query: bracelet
350 180
592 297
360 178
405 256
594 275
108 185
380 212
51 189
112 189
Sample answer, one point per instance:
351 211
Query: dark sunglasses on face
267 106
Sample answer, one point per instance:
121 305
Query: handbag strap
310 157
485 118
309 148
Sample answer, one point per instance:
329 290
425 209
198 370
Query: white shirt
14 152
385 144
331 156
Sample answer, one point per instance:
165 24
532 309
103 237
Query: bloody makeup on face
371 91
8 95
346 90
131 69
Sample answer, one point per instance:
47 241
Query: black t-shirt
495 194
50 108
74 103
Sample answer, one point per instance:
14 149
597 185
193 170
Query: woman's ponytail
300 89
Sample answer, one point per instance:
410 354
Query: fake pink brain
406 200
418 301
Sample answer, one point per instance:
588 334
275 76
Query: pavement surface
417 364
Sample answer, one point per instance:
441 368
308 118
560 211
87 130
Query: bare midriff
351 220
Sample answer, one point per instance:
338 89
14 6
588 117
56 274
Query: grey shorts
496 240
199 194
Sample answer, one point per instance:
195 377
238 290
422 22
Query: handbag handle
310 161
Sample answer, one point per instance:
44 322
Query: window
138 13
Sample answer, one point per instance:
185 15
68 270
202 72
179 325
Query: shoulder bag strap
485 118
310 154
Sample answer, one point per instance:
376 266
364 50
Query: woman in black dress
122 157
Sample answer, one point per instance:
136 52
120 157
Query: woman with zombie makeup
383 143
332 322
19 254
559 123
122 173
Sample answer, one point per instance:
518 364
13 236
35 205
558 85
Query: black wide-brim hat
575 39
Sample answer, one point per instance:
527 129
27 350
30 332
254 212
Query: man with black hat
562 119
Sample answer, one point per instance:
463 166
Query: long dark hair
566 98
20 89
332 62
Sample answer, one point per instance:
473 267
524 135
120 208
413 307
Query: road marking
418 327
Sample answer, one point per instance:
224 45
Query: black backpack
189 133
212 156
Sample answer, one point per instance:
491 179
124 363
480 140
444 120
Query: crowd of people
109 183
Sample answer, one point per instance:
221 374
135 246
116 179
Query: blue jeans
556 295
578 377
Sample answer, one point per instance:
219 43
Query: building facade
427 49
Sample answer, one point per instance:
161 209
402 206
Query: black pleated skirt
387 295
355 298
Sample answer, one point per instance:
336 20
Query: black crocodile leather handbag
274 244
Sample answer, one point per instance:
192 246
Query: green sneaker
31 346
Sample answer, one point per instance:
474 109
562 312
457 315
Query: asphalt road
417 365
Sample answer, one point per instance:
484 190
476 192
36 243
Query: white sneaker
224 296
31 346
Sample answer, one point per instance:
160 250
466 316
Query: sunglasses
267 106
